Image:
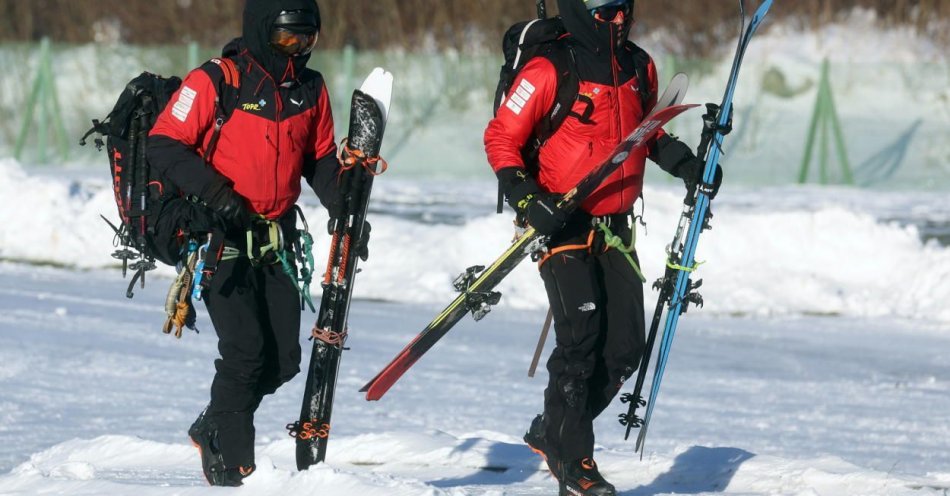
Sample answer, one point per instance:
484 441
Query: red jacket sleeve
190 112
176 141
531 96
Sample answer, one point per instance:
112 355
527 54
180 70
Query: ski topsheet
476 284
677 290
360 154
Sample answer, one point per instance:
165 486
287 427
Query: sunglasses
292 43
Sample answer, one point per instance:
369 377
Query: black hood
259 17
593 42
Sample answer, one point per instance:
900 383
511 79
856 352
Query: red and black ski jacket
608 108
279 131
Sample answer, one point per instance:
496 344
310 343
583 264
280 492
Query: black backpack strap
227 75
568 84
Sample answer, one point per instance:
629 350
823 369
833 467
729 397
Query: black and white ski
361 163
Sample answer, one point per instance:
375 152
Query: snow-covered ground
96 400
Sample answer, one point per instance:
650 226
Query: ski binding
479 303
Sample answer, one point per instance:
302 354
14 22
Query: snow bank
784 251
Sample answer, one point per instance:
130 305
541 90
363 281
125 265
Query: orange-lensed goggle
292 43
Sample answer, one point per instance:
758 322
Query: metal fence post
44 95
825 121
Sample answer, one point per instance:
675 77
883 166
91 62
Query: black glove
202 219
335 202
543 215
692 174
675 157
525 196
230 206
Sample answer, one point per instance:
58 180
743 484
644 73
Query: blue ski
676 288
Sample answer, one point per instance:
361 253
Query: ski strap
353 157
675 266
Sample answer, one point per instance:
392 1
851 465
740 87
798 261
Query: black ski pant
256 315
596 300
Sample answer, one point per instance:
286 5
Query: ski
361 163
476 285
677 290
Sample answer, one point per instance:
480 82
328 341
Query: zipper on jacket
617 109
279 103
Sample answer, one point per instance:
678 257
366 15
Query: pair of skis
677 290
361 163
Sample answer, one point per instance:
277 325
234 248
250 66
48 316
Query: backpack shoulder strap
226 75
561 57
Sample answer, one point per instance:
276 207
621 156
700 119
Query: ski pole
544 336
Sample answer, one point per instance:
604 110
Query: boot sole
545 458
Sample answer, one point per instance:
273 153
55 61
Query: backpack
152 211
543 37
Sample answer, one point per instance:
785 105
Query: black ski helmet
596 4
259 20
295 32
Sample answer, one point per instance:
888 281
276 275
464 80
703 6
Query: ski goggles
295 32
293 43
608 11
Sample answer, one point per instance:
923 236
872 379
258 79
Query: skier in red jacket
279 131
595 291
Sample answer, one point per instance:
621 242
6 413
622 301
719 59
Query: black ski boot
581 478
204 435
537 441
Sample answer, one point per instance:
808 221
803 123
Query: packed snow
97 400
820 364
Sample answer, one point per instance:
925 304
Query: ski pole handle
542 9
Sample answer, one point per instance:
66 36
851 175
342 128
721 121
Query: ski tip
678 85
371 394
379 85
